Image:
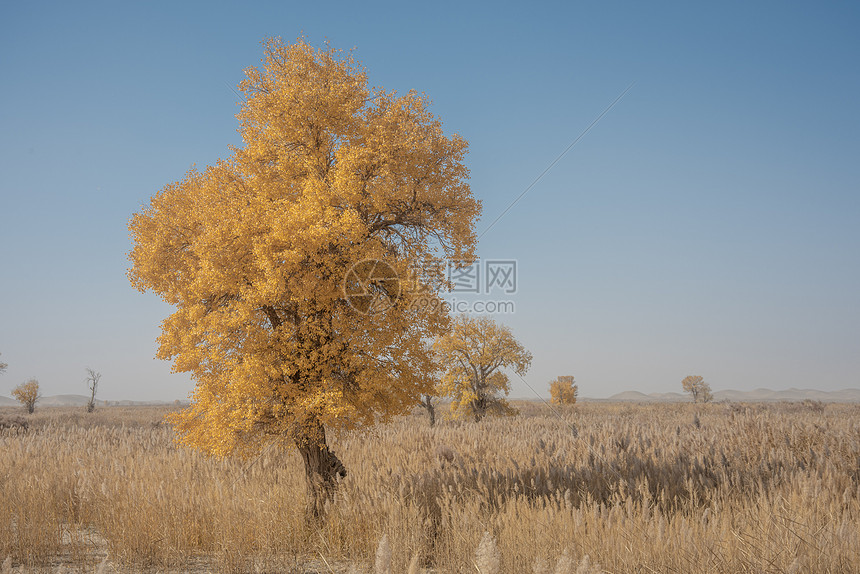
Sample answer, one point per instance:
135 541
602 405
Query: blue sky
708 224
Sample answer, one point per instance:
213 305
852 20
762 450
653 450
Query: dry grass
749 488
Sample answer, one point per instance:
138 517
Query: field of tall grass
594 488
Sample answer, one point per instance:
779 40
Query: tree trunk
322 467
427 403
479 409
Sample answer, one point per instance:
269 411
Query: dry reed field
595 488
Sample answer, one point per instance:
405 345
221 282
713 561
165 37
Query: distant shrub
12 423
814 406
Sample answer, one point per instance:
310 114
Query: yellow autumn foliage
253 253
563 390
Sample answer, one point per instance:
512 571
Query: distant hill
65 401
670 397
758 395
634 396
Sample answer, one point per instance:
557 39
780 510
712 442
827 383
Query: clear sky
709 224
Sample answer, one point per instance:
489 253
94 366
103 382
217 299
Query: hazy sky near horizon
709 224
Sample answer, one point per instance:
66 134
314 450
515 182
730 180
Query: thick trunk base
323 469
479 409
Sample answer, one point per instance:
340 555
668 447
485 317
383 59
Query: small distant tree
472 355
27 394
2 366
93 378
563 390
696 386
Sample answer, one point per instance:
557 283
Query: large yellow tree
283 262
472 356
